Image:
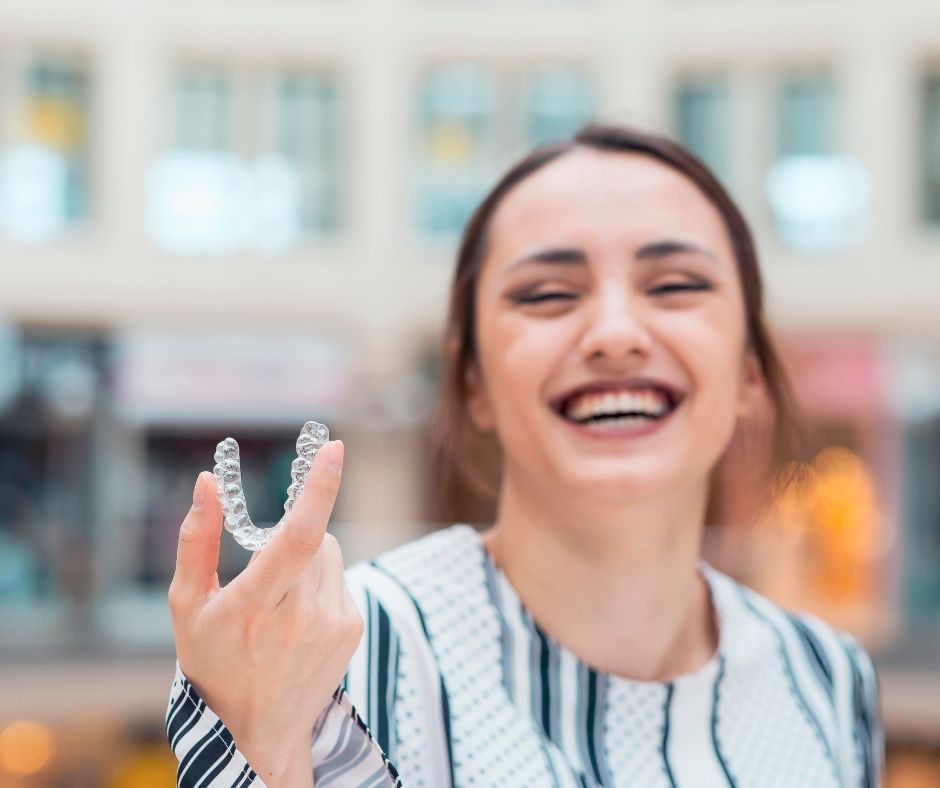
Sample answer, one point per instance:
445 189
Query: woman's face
610 330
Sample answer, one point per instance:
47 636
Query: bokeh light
26 747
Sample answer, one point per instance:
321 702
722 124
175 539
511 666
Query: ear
752 384
478 403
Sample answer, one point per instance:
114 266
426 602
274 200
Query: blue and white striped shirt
454 684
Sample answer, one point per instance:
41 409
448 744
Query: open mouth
609 408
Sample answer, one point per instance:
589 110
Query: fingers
197 557
290 552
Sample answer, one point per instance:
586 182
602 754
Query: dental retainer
228 477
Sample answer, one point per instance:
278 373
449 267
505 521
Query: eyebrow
574 256
659 249
559 256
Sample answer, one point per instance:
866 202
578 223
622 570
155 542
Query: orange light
26 747
831 523
146 768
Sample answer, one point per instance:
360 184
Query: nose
615 328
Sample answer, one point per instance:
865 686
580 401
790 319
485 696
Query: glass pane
456 124
45 173
254 166
47 424
930 147
196 191
806 116
558 101
203 109
309 130
922 521
819 195
703 122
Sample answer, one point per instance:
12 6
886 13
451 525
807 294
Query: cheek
518 356
711 346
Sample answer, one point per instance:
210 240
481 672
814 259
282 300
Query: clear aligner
228 477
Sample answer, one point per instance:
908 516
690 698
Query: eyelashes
559 296
541 298
680 287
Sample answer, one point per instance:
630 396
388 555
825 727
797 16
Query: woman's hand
267 652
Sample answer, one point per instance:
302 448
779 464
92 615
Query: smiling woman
606 335
681 267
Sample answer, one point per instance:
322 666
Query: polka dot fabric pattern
492 745
410 733
633 734
761 728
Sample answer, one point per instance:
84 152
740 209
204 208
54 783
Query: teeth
621 421
648 402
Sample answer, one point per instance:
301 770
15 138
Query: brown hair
473 458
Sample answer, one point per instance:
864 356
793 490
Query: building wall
111 275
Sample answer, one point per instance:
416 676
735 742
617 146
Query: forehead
599 197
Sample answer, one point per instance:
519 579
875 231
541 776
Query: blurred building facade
229 218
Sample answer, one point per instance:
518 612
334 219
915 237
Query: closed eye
540 297
680 287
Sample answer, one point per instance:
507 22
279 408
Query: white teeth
647 401
622 421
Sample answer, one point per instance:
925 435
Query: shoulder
823 664
817 658
750 618
826 668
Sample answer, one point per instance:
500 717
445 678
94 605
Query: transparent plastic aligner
228 477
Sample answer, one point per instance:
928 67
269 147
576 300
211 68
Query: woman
606 328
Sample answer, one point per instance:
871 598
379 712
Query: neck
618 585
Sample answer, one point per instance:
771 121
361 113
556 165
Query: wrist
278 765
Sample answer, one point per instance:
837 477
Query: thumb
197 557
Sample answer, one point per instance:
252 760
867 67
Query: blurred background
227 218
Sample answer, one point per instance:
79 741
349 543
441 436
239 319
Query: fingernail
334 456
199 493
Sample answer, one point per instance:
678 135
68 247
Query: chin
625 486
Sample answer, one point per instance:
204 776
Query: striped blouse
454 684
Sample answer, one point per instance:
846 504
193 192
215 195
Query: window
308 137
818 194
702 112
47 437
472 121
558 101
45 168
457 108
921 587
254 164
930 148
806 116
203 113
